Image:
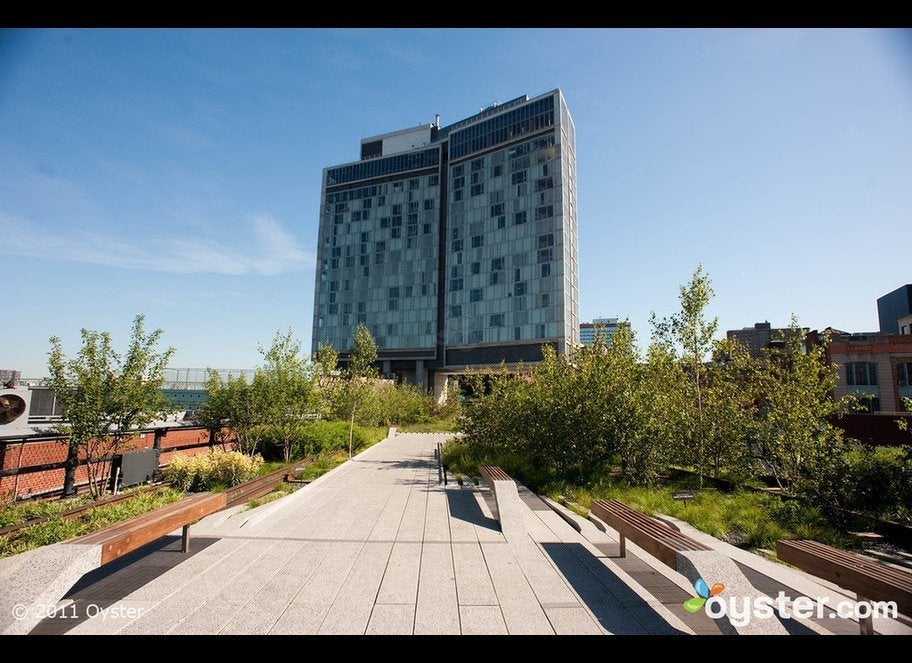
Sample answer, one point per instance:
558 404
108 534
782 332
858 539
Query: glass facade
496 238
377 262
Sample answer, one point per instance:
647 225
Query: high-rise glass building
457 246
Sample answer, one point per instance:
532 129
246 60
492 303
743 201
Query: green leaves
107 395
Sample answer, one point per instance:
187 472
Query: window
396 232
544 183
379 247
496 320
393 305
385 222
477 240
458 182
517 333
397 209
868 403
477 164
414 206
497 264
432 180
497 171
497 210
519 289
544 212
456 245
546 269
456 311
545 240
429 204
455 284
394 292
477 189
475 295
861 373
362 307
476 267
457 195
519 178
379 258
501 222
519 218
546 255
413 184
457 170
904 374
426 229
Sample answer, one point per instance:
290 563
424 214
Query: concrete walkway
375 546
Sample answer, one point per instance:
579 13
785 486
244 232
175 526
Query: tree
239 405
359 372
692 332
288 382
730 396
106 396
794 430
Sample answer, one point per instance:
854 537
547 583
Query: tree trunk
69 470
351 432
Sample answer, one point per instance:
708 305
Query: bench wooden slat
900 577
869 579
659 540
492 473
135 532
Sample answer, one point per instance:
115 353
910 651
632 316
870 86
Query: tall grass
56 529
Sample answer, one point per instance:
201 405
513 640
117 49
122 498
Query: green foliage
326 359
363 353
211 471
324 437
56 529
878 481
106 395
241 406
386 404
793 428
288 383
691 333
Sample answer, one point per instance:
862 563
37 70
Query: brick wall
31 453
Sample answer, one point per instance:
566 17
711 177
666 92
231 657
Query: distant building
876 368
607 325
761 336
457 245
893 307
185 388
905 325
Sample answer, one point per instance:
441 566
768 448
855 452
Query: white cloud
266 249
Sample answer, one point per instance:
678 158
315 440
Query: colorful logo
703 592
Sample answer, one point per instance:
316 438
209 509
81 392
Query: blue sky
177 172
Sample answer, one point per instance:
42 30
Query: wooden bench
121 538
658 539
869 579
511 511
492 473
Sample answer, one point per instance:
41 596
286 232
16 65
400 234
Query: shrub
213 470
324 437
